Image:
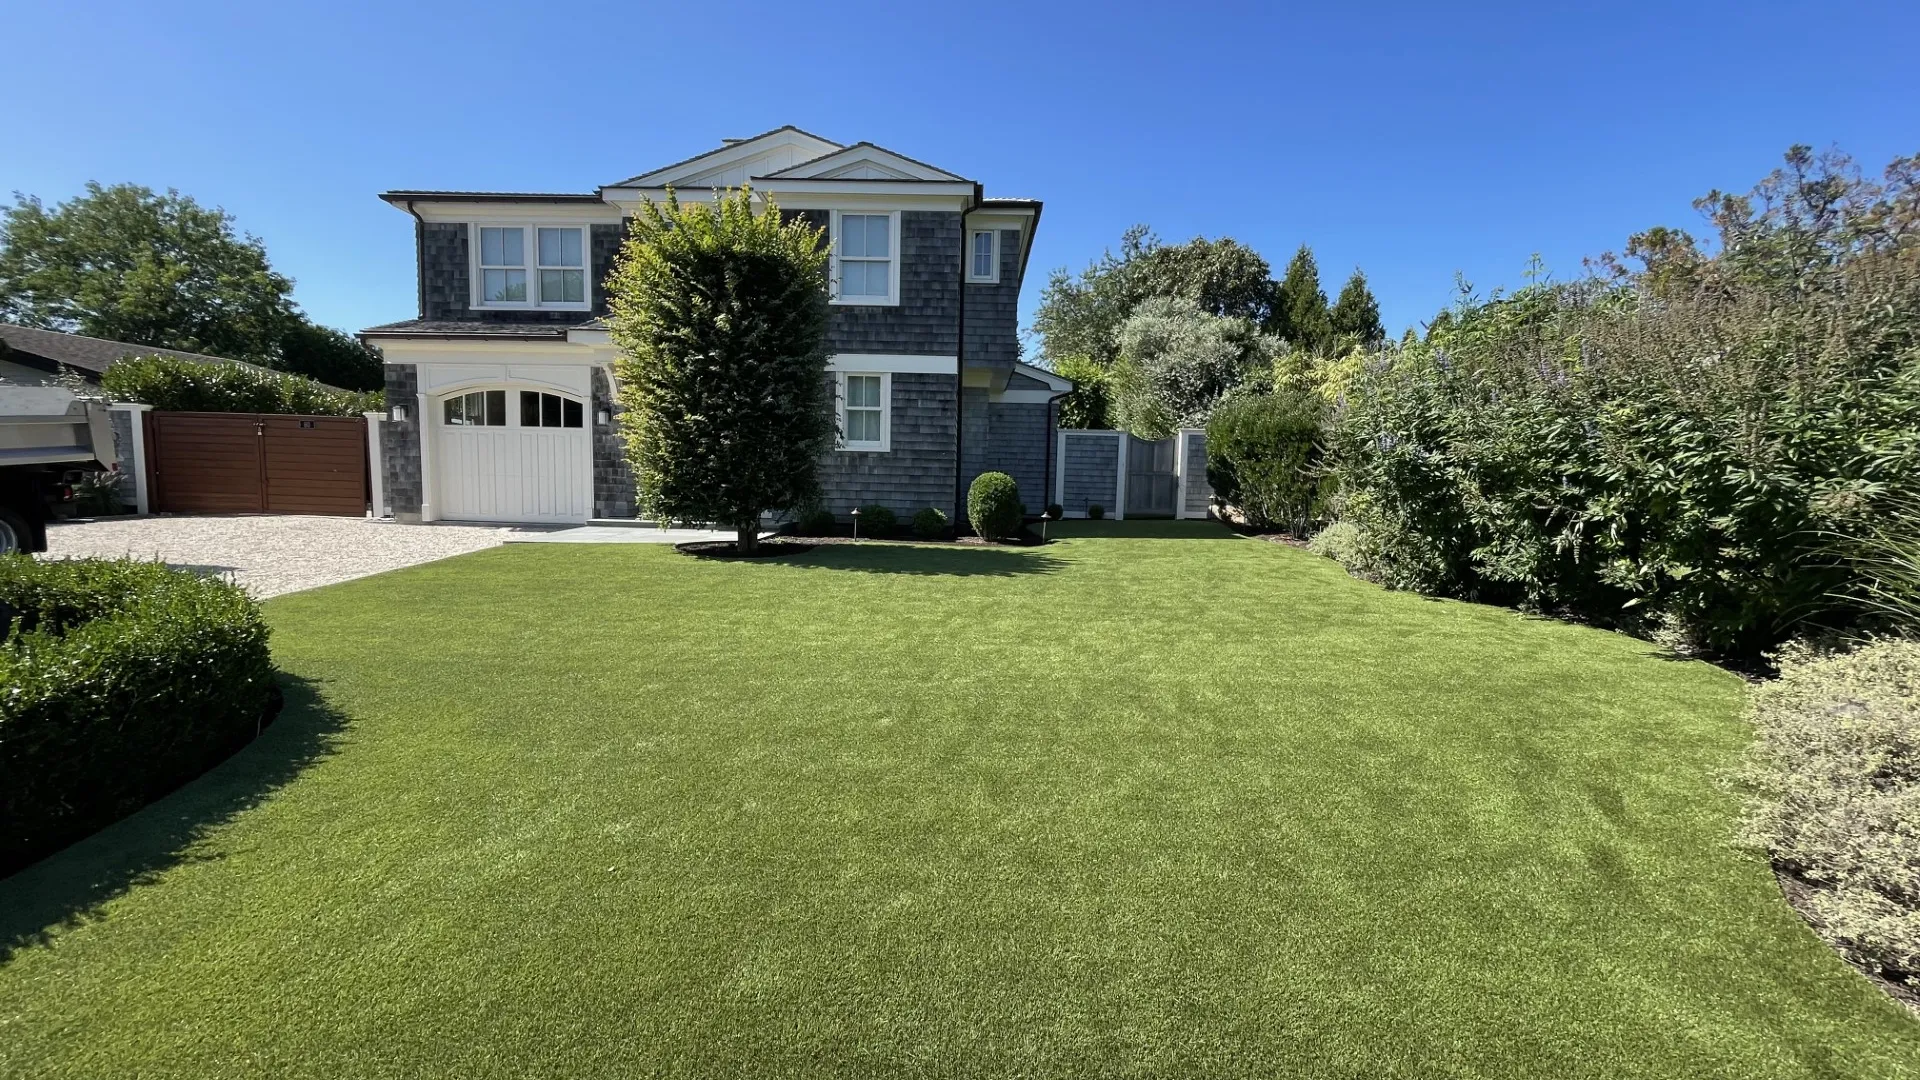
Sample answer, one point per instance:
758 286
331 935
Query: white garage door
511 455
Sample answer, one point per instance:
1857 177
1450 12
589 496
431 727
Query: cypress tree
1357 314
1304 321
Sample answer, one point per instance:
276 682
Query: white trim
376 467
423 424
892 362
529 265
853 155
892 299
840 413
1024 397
777 186
1056 382
1120 478
434 350
452 212
727 154
1180 474
137 424
993 253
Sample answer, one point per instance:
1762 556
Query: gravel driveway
270 555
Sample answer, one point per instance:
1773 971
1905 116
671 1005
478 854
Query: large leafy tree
1302 318
326 354
126 263
1356 314
1177 362
720 315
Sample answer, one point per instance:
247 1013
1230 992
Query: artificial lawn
1151 801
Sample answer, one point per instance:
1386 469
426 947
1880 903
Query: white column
376 467
1060 471
137 417
426 459
1120 478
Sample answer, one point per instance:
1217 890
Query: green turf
1153 801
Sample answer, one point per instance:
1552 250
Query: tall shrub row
119 681
1698 447
169 382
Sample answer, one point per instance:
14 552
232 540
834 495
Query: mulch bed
770 548
1797 890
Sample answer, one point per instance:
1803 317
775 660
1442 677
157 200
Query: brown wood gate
246 463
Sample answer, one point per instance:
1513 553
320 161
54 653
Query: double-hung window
983 256
863 412
864 254
503 265
531 266
563 267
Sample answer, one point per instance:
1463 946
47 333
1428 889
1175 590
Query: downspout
960 373
1053 436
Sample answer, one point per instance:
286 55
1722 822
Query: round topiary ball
993 506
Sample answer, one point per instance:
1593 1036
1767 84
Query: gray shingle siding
121 422
613 489
1017 436
976 431
446 281
916 471
1092 472
400 443
926 322
993 311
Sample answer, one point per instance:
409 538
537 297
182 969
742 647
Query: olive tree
720 315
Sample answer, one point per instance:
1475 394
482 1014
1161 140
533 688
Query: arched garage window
549 410
488 408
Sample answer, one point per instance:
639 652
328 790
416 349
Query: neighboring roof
477 331
89 354
398 197
726 145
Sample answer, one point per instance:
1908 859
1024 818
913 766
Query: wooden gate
243 463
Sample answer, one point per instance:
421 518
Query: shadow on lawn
67 888
952 561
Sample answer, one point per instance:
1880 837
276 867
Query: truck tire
15 534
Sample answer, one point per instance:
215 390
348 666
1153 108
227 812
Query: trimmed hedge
993 506
168 382
1264 458
119 681
1833 783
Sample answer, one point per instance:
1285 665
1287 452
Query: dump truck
49 439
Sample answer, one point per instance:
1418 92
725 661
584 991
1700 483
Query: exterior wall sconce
397 414
603 418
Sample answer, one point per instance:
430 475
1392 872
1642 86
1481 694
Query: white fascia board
598 338
1045 376
855 154
1000 219
836 198
1024 397
555 213
730 153
889 362
951 189
442 351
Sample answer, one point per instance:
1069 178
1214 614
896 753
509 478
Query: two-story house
500 395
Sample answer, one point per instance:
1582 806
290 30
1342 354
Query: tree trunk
747 539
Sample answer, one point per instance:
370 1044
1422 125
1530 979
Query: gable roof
863 161
87 354
690 170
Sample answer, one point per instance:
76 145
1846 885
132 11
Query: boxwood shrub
930 523
993 506
119 681
877 520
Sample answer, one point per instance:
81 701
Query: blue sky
1414 140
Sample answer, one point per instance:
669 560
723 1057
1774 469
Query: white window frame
892 299
530 256
993 236
886 412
